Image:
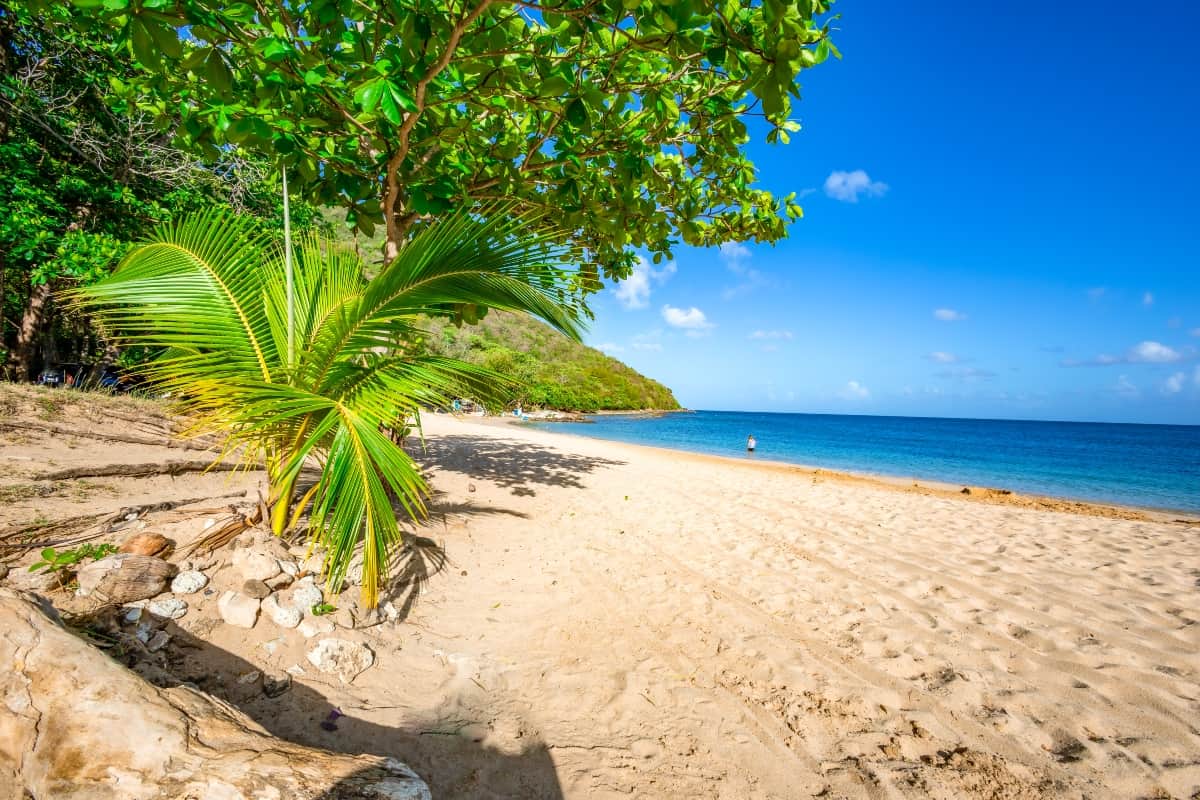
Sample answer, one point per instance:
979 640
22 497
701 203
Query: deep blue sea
1152 466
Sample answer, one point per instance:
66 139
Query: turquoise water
1153 466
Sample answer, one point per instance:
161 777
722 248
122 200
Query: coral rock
341 657
237 609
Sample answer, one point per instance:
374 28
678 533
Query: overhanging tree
625 119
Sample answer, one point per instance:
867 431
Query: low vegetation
547 370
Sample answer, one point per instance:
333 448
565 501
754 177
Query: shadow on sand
519 466
446 749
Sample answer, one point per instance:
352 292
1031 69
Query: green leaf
142 44
368 95
165 37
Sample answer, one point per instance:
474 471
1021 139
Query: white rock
271 645
249 677
306 595
312 626
290 567
283 616
169 607
189 582
255 564
158 641
133 613
341 657
295 670
237 609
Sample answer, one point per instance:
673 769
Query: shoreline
922 486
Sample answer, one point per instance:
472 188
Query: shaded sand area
599 620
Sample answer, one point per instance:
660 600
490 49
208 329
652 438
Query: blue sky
1002 219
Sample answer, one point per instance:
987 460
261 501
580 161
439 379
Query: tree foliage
84 174
623 121
547 370
209 293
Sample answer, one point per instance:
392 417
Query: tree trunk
78 724
33 322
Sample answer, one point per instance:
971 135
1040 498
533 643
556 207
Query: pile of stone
270 583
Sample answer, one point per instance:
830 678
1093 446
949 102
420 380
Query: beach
604 620
665 625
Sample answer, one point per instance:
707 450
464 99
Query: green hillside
554 371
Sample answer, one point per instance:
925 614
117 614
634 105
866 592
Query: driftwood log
75 724
146 470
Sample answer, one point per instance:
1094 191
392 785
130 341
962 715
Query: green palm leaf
211 291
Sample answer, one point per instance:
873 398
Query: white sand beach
613 621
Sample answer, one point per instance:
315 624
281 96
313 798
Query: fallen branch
75 530
146 470
105 437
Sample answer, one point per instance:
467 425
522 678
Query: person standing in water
750 443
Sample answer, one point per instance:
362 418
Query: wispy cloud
770 335
1195 331
948 315
942 357
1125 388
736 257
1096 292
610 347
634 292
691 320
1148 299
650 340
1147 352
967 374
855 391
1153 353
1174 384
847 186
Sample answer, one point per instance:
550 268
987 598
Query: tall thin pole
287 267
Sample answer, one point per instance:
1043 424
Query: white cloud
1147 352
1174 384
1153 353
943 358
1148 299
847 186
855 391
967 373
1125 387
648 341
610 347
689 319
1096 293
735 255
771 335
1195 331
634 292
949 315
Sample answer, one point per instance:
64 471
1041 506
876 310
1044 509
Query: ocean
1150 466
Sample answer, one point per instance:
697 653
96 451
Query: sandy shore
614 621
672 626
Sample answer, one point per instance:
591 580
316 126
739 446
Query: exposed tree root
17 540
145 470
61 430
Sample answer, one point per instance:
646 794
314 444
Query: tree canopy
622 121
83 174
